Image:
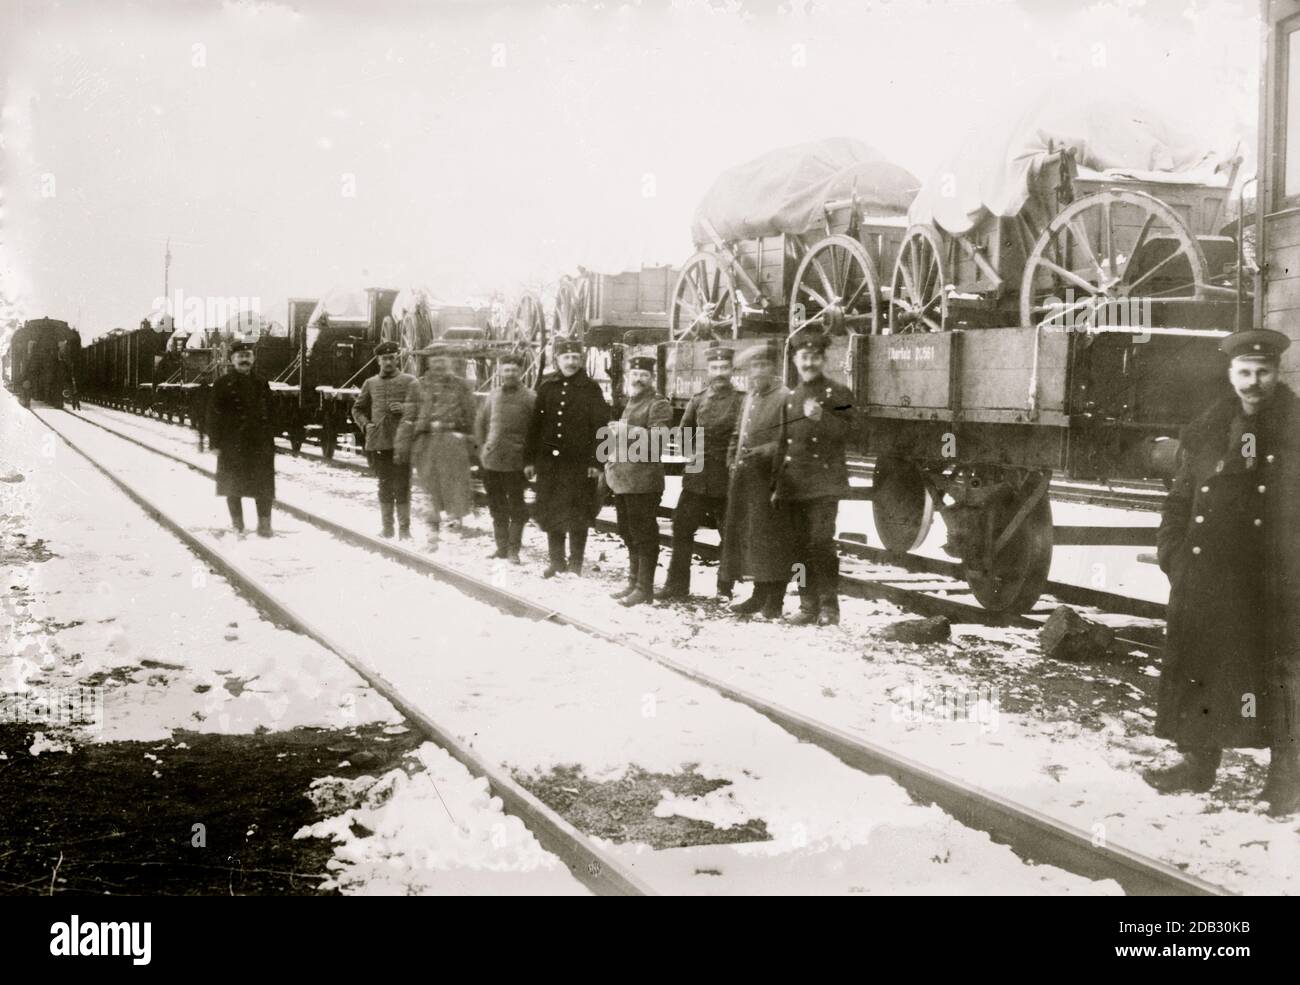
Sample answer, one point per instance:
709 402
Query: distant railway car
44 361
126 366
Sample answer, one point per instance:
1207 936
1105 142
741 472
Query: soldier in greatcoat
634 472
1229 540
436 435
377 412
758 541
812 475
560 453
242 432
714 413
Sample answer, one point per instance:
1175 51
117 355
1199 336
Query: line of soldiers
769 469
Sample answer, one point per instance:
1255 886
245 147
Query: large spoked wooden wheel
1017 573
836 288
569 316
1103 257
918 292
902 506
528 322
704 304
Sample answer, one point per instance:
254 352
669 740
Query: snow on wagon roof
784 190
990 171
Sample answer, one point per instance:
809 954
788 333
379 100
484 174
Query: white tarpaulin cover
784 190
992 170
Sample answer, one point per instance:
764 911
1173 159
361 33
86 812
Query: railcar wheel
704 304
1081 270
837 289
902 505
918 289
1018 572
328 439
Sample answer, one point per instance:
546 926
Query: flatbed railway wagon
1057 303
122 367
44 361
1277 195
338 345
802 235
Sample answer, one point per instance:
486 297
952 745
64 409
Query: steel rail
1031 834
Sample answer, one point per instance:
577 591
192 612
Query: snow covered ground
102 604
1066 739
538 697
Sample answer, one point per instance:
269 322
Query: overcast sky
476 147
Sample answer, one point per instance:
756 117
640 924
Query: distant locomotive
44 361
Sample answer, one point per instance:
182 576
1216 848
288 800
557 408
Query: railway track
925 585
1031 834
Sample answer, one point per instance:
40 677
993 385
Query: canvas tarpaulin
992 171
784 190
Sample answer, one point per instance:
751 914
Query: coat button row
1200 519
1196 550
1205 489
1258 522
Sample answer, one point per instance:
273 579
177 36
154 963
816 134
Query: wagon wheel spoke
821 272
1139 243
1080 234
1070 276
852 299
814 295
1169 259
1108 237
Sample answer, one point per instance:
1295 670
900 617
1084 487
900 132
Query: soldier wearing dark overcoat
1229 540
241 431
812 475
560 453
634 472
758 541
713 413
377 411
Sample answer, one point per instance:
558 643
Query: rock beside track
1069 636
933 629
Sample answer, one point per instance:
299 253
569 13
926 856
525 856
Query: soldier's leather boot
725 591
829 612
501 533
577 549
773 601
236 509
555 548
633 566
264 526
645 579
386 514
1195 774
678 583
435 536
514 540
404 521
752 604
